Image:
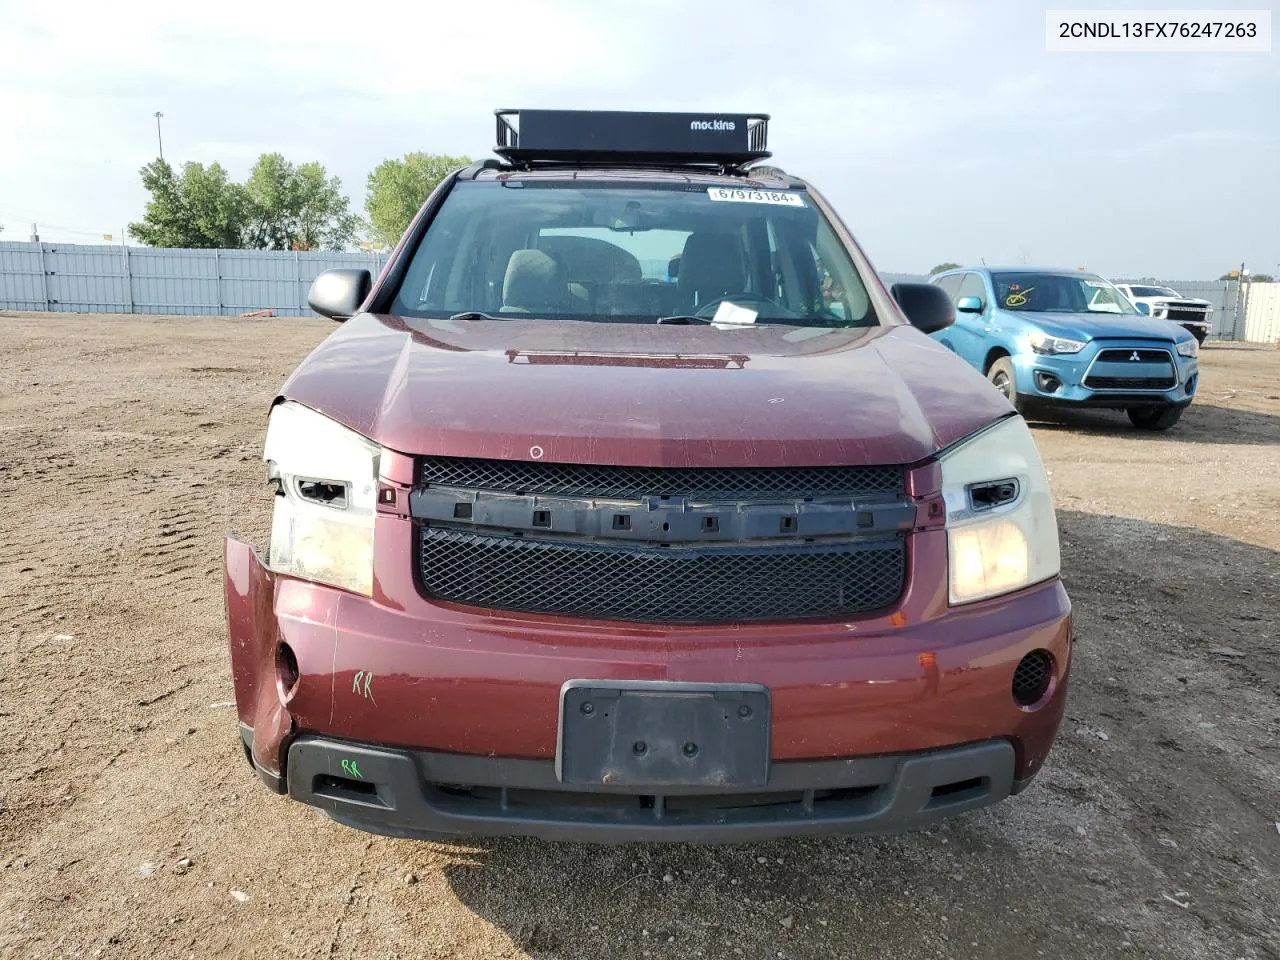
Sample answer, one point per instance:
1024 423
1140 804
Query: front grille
1186 315
697 584
1129 383
547 803
1126 355
634 483
1143 369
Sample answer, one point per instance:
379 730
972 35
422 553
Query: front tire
1000 373
1154 417
1200 335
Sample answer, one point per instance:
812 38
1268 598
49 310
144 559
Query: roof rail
632 138
766 170
473 171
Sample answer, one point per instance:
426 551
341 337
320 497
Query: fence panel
21 277
101 278
86 279
180 282
260 280
1262 324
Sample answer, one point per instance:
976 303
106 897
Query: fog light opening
1047 382
1032 678
286 672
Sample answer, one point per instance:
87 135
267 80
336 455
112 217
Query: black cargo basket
721 140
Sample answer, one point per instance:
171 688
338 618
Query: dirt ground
128 446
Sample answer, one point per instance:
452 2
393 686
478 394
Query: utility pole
1237 324
159 139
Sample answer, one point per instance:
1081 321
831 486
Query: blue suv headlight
1043 343
1188 348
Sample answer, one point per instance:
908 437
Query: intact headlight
1189 348
326 480
1002 534
1043 343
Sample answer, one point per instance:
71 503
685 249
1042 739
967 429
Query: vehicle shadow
1075 866
1200 423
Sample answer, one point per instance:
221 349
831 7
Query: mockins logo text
725 125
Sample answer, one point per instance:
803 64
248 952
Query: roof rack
631 138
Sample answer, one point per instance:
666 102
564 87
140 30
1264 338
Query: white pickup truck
1166 304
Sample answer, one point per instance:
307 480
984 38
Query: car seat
534 282
711 266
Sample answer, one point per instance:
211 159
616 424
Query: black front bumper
405 793
1102 401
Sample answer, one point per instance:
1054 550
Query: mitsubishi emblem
1134 356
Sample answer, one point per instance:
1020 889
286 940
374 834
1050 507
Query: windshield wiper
685 319
478 315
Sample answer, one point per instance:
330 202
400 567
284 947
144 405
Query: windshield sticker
1017 297
1094 283
774 198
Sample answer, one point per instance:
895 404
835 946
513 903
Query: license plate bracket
655 735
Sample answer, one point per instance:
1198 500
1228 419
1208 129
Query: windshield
1152 292
575 250
1058 293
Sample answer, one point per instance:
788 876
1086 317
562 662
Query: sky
940 131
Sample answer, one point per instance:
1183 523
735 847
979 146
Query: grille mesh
632 483
1130 383
1125 355
670 585
1031 679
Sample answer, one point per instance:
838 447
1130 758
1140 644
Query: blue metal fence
98 278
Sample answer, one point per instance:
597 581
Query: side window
1104 300
841 290
973 286
951 284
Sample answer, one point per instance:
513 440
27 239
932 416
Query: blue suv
1067 338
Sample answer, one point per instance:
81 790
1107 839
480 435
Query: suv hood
1095 326
645 394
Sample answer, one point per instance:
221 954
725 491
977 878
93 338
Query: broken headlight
326 481
1002 534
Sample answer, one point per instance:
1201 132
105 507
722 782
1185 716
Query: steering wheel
708 309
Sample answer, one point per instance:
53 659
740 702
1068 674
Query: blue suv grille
1127 368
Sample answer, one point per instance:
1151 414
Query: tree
201 208
296 207
398 188
943 267
1251 278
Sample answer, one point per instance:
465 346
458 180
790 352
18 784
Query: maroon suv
628 504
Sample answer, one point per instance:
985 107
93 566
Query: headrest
712 266
534 281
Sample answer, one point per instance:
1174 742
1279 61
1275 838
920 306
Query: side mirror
969 305
925 305
1144 309
337 294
